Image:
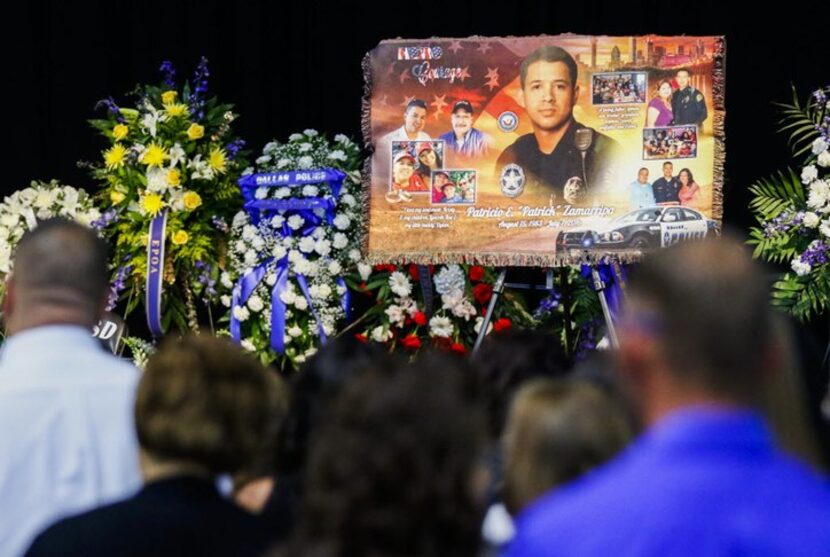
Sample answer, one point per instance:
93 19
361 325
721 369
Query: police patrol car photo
645 228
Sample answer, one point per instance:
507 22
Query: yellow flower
180 238
120 131
191 200
168 97
218 161
117 197
152 204
195 131
176 110
114 156
155 155
174 177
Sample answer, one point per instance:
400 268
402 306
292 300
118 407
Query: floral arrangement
171 154
460 294
286 264
21 211
793 211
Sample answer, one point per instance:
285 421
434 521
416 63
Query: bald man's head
60 266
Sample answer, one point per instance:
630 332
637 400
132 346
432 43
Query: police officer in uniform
687 103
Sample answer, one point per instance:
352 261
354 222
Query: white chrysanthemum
450 280
335 268
277 221
226 300
340 240
811 220
819 146
300 303
157 180
323 247
816 199
342 222
247 345
824 159
340 138
288 297
295 137
379 335
348 200
270 147
311 191
409 306
809 174
255 304
248 171
801 268
477 326
282 163
225 279
248 232
261 193
396 315
311 132
282 193
365 270
264 159
824 229
302 266
337 155
440 326
289 242
305 162
241 313
270 279
295 222
250 257
295 331
239 219
400 284
307 244
305 147
258 243
355 255
278 251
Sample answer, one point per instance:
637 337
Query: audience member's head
506 360
59 277
697 327
393 470
205 407
556 431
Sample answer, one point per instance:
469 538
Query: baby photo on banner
542 150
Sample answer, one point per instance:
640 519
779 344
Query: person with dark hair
659 111
665 188
556 431
392 473
695 345
314 390
66 434
688 104
414 120
429 160
689 191
560 148
203 408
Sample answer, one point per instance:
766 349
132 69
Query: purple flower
169 73
200 87
112 108
206 280
219 223
117 285
548 304
234 147
815 254
105 220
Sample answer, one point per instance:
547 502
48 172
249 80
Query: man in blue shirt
464 139
640 193
666 187
696 344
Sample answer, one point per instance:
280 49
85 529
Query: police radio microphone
582 141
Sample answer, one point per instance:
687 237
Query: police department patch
512 180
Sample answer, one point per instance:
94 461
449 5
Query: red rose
442 342
482 292
411 342
458 348
362 338
420 318
413 272
502 324
477 273
390 268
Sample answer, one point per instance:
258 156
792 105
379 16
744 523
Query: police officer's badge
512 180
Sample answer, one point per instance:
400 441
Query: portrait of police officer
688 104
559 148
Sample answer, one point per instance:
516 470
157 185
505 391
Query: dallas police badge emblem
512 180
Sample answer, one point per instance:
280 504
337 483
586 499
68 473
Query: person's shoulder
449 136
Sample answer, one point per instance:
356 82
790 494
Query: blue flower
169 73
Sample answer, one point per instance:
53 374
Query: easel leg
498 288
599 286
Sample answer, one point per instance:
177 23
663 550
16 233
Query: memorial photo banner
542 151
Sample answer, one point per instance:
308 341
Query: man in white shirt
67 439
414 120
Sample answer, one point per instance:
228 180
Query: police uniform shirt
688 106
550 172
665 191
